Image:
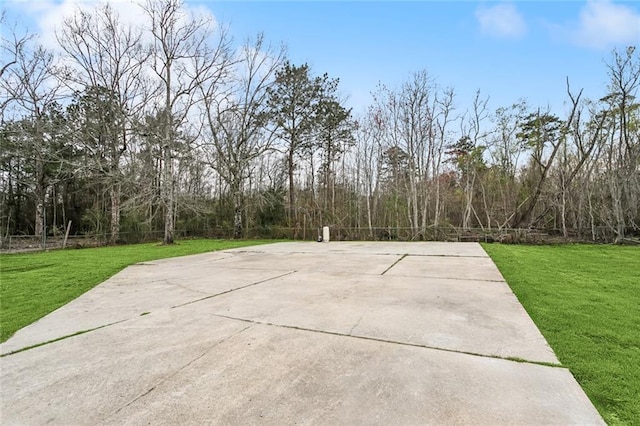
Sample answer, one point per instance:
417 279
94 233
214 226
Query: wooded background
133 133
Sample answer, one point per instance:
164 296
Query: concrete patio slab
294 333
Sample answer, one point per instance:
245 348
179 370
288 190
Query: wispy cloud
603 24
502 20
48 15
45 17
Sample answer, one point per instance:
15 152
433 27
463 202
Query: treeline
172 125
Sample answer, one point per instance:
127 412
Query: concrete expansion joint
393 342
234 289
395 263
37 345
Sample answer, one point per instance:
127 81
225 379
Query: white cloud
48 15
603 24
501 20
45 17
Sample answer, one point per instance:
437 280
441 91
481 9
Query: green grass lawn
586 302
34 284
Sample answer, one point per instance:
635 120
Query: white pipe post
325 234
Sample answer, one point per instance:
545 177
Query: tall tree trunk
237 211
413 203
468 193
40 189
292 197
115 213
168 162
168 197
39 219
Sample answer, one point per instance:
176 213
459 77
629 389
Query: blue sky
508 50
524 50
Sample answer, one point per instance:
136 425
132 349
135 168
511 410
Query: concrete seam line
372 254
394 263
394 342
57 339
168 377
233 289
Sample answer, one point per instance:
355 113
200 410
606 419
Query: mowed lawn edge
34 284
585 299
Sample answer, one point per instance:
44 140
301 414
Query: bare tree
238 118
12 46
442 123
624 147
415 115
505 154
187 53
369 164
577 147
542 133
30 82
407 117
414 123
468 155
106 59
